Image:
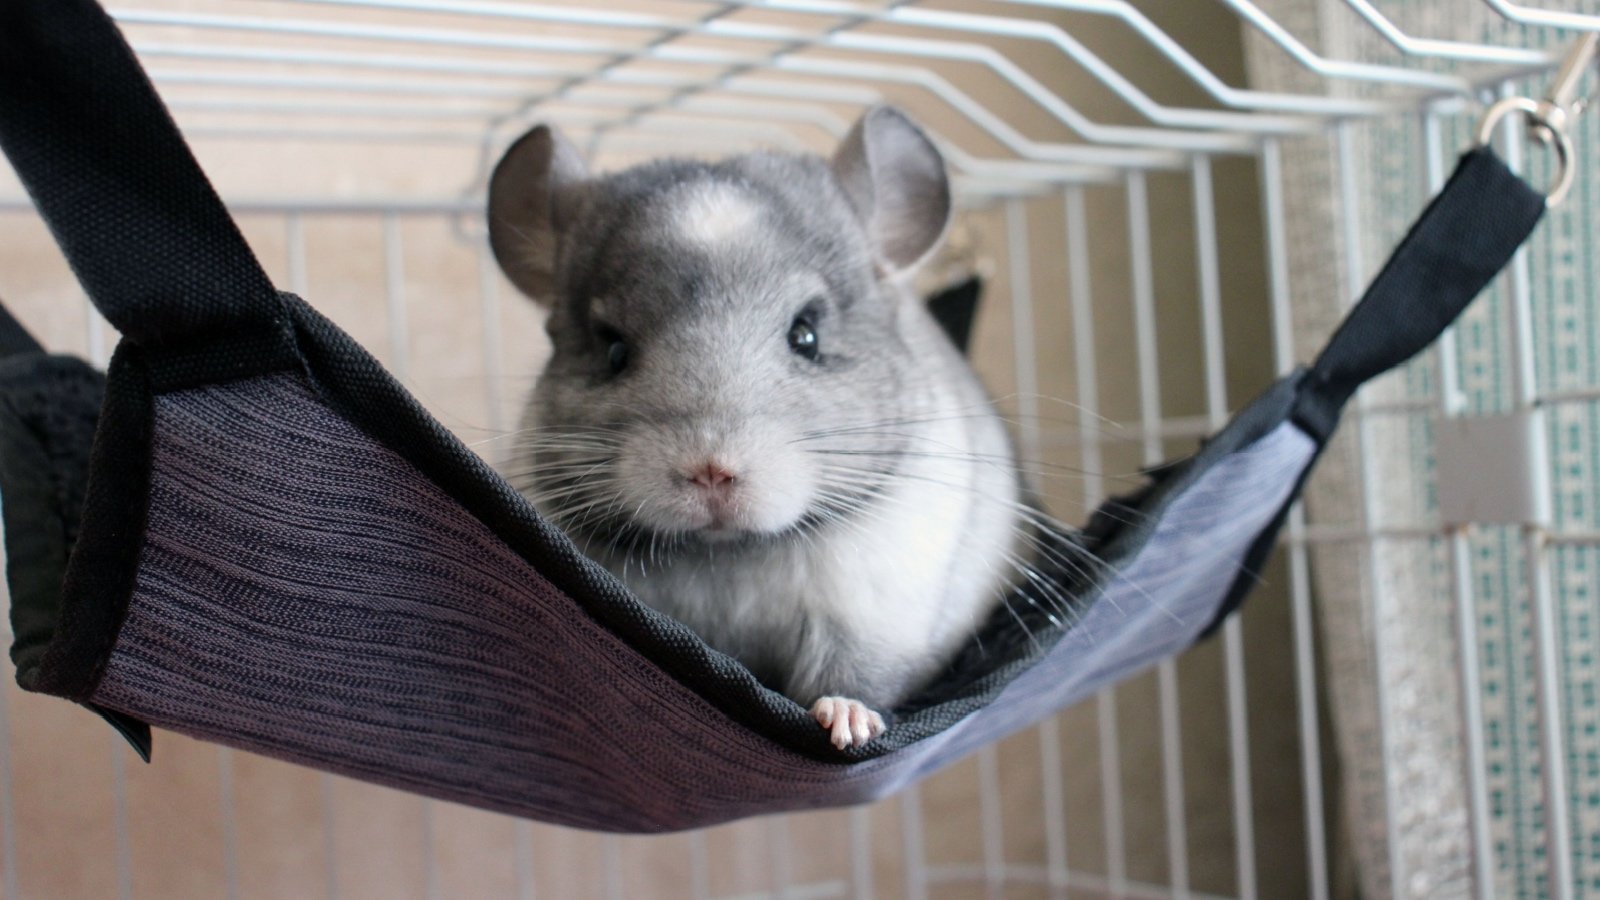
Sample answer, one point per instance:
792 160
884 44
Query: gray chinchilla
750 417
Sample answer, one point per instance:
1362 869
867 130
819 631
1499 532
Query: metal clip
1551 116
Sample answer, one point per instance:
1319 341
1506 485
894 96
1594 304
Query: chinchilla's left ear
895 180
530 195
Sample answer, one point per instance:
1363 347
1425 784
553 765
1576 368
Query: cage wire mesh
1171 203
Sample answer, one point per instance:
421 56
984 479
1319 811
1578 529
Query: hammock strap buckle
1551 117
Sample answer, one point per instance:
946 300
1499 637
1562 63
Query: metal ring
1550 132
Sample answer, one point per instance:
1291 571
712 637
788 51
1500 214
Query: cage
1168 203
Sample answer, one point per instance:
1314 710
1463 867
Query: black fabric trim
95 148
104 563
955 308
49 406
50 410
224 358
135 732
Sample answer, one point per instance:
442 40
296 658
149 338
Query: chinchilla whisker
572 508
569 492
1056 603
581 506
951 414
1013 504
551 461
999 462
1058 401
1086 563
585 428
558 462
1005 602
1108 570
1048 551
558 474
595 438
1006 458
1006 463
561 503
1106 427
556 444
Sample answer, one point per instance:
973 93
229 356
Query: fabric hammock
272 546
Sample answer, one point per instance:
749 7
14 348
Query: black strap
125 199
1459 244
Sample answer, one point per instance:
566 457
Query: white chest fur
873 606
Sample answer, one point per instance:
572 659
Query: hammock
248 532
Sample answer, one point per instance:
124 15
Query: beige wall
88 820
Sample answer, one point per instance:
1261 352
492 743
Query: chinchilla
752 419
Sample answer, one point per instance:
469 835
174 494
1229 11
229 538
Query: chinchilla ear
531 195
895 179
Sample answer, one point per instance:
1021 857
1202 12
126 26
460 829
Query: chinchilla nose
711 476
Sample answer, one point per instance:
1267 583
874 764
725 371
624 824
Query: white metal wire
1535 549
1547 18
8 810
1425 47
1450 403
294 238
699 867
1230 129
611 867
912 844
230 822
860 854
1112 809
119 817
1305 666
1019 245
1144 314
1355 274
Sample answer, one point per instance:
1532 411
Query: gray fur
865 592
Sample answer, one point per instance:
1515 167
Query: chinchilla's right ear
531 195
895 179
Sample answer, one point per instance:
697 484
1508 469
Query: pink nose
711 476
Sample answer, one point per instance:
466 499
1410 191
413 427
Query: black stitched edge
104 563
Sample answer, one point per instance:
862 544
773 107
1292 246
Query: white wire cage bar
1082 134
1182 129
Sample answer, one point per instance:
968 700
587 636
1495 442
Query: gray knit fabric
305 593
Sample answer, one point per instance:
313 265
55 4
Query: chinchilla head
711 321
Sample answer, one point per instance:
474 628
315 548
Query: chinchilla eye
617 356
803 337
616 349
